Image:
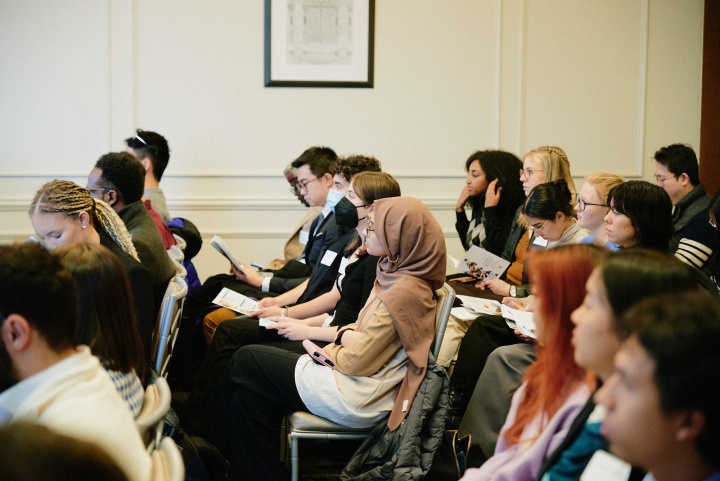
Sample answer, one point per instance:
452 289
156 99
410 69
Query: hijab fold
412 238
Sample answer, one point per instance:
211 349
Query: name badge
539 241
328 258
304 236
603 466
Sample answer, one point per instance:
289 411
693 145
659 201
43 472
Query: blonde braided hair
68 198
556 166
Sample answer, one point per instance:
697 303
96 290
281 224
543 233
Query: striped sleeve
693 252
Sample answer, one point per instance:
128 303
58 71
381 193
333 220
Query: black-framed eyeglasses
535 228
582 204
659 180
302 185
99 190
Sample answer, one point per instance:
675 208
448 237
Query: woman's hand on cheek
492 194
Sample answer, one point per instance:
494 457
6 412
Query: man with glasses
676 171
117 179
152 150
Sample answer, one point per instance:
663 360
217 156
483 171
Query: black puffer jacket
406 453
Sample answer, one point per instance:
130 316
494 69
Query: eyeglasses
302 184
660 180
535 228
99 190
528 172
582 204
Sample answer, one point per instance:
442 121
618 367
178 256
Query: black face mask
346 214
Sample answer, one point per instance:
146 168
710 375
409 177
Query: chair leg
294 458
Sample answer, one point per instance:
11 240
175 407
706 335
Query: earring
83 226
397 257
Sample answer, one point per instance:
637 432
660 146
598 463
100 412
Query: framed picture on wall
319 43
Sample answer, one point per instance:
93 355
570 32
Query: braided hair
65 197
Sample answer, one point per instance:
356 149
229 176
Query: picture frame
319 43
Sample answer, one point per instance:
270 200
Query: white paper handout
482 264
523 320
219 244
235 301
480 305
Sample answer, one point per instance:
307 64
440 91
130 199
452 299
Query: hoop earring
397 258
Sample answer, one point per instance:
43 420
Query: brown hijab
408 275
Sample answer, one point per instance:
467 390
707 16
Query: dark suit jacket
321 237
140 285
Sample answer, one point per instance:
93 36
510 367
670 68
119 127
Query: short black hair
350 166
681 333
546 200
319 159
680 159
35 285
124 173
649 208
152 145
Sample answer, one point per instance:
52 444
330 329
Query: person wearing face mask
308 320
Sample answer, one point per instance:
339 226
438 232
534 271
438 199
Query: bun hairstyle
546 200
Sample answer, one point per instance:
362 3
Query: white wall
610 81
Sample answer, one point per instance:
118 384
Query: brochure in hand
219 244
481 264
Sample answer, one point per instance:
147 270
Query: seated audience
380 360
152 150
117 179
640 216
494 193
591 207
63 212
617 284
554 388
46 379
308 320
677 172
106 321
661 400
544 164
33 453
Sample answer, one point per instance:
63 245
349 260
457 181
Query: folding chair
168 323
166 462
302 425
156 403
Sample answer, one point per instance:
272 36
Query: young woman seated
106 320
379 361
621 281
554 387
591 207
640 216
494 192
303 321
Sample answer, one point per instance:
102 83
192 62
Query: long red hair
558 278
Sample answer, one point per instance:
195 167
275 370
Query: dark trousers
245 412
229 336
485 335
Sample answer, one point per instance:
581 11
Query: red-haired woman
554 388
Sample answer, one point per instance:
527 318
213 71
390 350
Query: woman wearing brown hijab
380 359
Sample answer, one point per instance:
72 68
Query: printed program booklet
219 244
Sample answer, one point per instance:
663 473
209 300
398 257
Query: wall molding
642 89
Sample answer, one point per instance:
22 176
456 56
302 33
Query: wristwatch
513 291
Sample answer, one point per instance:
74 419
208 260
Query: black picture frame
339 64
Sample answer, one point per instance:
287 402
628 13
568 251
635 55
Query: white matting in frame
319 43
